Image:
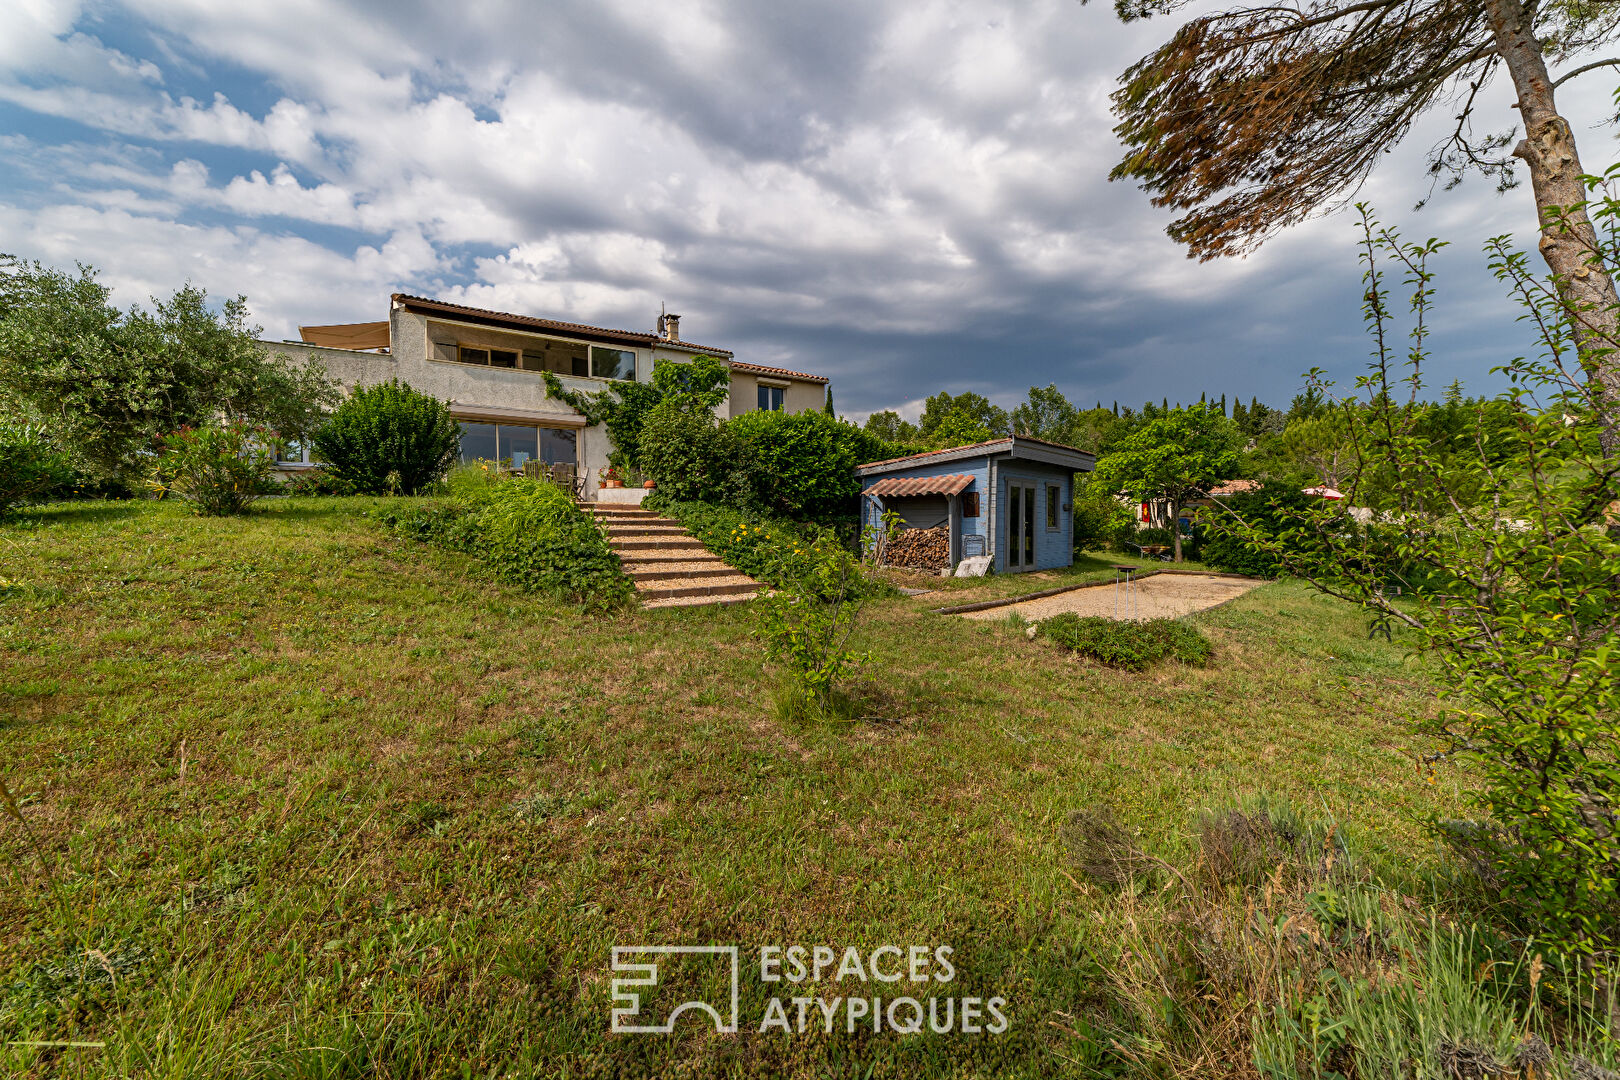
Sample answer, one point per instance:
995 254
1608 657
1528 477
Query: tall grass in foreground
1279 942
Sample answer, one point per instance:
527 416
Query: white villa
489 365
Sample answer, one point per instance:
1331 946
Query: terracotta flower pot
613 483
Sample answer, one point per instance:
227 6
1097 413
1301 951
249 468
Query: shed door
1020 526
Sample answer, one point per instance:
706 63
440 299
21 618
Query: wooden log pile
920 549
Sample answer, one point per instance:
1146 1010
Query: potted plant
610 477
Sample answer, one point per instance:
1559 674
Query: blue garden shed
1011 499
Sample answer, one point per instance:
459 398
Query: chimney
672 328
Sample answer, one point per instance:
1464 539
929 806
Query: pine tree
1223 404
1116 407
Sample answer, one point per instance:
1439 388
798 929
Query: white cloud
820 185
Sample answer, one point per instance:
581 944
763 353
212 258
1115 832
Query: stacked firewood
920 549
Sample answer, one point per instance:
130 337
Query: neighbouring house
489 366
1011 499
1156 513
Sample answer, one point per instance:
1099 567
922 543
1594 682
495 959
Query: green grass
315 800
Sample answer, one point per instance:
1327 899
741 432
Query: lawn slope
318 800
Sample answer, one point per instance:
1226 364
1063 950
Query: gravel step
696 601
661 589
678 571
639 529
654 543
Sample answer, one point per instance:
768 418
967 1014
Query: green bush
219 469
691 457
760 546
1275 511
29 466
388 439
806 622
1098 517
1133 646
532 534
806 461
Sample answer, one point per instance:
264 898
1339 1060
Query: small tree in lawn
1178 457
389 438
1502 561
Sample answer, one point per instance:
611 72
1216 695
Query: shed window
1052 492
970 504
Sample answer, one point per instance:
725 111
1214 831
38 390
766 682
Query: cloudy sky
904 195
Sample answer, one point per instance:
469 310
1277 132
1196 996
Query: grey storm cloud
906 197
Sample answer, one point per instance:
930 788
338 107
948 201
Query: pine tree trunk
1568 242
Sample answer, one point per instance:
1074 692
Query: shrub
807 461
760 546
530 533
29 466
1275 511
219 469
1098 517
1133 646
691 456
806 623
389 438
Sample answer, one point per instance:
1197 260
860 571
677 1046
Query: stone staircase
669 566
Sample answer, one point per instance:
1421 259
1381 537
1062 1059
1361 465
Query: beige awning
358 335
494 414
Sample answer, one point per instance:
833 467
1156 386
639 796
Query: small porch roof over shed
1020 447
894 487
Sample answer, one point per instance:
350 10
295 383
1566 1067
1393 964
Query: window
770 398
292 453
444 350
518 443
612 363
478 442
558 446
473 356
970 504
502 358
1052 493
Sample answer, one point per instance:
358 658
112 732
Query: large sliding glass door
518 443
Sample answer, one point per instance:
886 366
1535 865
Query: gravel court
1163 596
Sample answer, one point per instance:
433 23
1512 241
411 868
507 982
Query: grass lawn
313 800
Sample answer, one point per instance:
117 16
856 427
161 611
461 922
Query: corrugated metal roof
898 486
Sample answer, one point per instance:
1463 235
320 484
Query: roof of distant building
513 321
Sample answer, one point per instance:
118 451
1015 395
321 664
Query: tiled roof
897 486
761 369
507 318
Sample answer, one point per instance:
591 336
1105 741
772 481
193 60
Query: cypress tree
828 407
